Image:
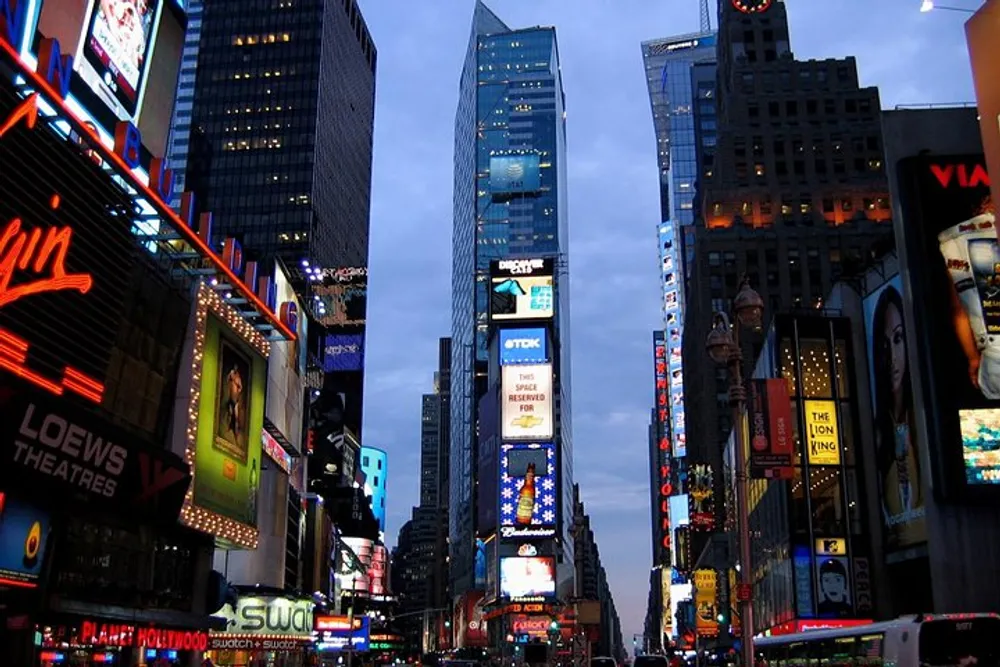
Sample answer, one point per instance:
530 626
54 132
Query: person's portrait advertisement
901 482
232 402
833 586
952 239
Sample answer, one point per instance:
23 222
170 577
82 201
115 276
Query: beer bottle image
526 498
253 491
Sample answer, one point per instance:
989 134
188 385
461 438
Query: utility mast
706 21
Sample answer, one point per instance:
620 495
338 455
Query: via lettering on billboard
950 222
528 498
514 174
526 411
522 289
523 346
771 429
344 352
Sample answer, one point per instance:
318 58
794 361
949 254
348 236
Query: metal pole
350 624
737 394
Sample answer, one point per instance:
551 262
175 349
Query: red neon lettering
21 251
28 110
945 173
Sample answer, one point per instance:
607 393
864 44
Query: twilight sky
613 210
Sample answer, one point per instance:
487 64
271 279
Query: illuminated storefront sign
664 472
260 615
276 452
95 633
822 439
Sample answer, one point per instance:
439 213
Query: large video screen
527 576
126 58
522 289
954 261
528 487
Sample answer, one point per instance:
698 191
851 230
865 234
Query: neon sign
664 450
52 78
120 634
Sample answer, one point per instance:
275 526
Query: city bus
924 640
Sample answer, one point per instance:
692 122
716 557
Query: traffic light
447 624
554 625
721 618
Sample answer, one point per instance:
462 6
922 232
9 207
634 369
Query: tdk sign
522 346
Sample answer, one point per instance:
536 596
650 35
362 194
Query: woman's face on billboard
895 345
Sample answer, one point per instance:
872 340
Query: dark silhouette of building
285 98
795 194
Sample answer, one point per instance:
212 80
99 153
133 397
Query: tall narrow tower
706 21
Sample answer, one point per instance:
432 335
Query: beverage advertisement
24 531
528 490
231 415
705 592
951 236
526 577
900 478
526 409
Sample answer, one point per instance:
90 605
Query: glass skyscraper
511 102
180 126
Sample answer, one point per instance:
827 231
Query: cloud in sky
613 212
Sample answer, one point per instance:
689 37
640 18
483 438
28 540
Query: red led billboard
664 472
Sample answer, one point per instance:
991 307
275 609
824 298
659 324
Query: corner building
794 195
510 117
281 127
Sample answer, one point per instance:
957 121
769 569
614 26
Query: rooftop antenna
706 21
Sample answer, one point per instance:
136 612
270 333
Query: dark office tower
796 196
509 202
284 98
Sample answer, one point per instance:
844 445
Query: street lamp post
723 346
928 5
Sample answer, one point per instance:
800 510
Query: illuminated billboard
341 297
523 346
672 280
705 592
225 410
526 410
375 466
24 532
344 352
354 567
901 480
514 174
122 58
522 289
822 435
663 463
286 366
951 235
528 490
527 577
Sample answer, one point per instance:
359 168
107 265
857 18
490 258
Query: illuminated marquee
94 633
663 463
49 86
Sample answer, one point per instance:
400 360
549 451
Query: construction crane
706 19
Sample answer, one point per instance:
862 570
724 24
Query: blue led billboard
344 352
515 174
523 346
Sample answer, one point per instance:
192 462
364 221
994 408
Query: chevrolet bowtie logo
526 421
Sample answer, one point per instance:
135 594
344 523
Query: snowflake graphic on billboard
528 484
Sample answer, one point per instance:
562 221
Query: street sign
743 592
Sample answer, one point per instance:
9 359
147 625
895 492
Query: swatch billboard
953 257
901 481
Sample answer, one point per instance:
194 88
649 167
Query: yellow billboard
666 609
822 437
706 584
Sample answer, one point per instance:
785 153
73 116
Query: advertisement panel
771 429
487 488
470 622
24 533
515 174
341 296
267 615
951 236
125 59
285 367
528 490
701 494
354 568
523 346
671 275
822 436
375 466
526 411
522 289
335 423
666 606
231 412
527 577
338 633
833 587
802 565
901 482
705 591
344 352
378 572
664 450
